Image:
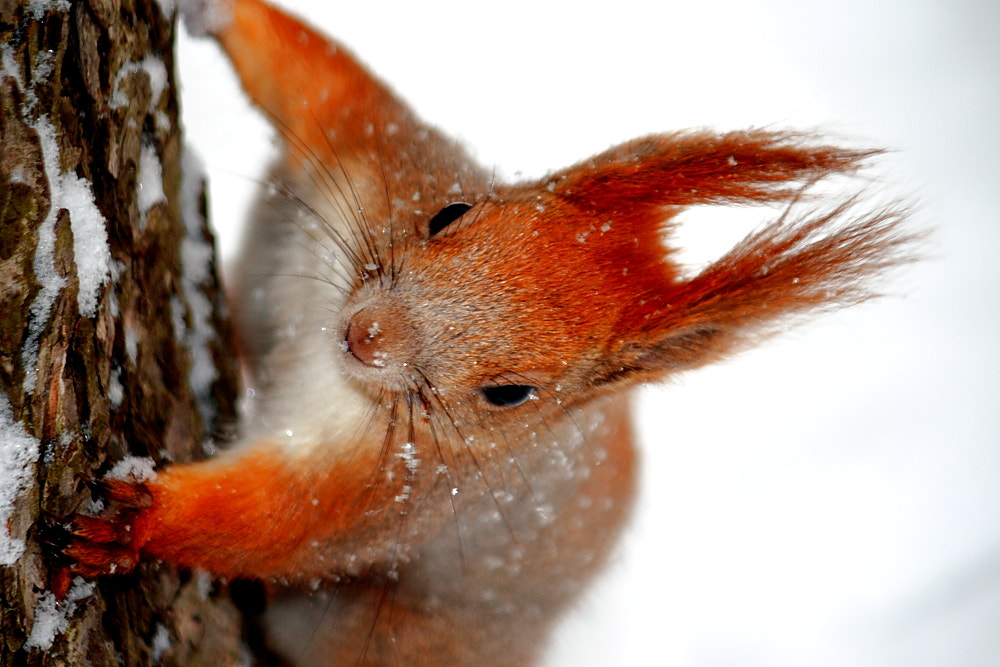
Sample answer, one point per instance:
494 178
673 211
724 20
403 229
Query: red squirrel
443 363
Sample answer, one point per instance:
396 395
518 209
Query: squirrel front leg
321 100
254 511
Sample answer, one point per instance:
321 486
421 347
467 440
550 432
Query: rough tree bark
113 340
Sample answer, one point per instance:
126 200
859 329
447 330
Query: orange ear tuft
790 267
688 168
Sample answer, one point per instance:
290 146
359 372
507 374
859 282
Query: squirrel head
564 288
454 290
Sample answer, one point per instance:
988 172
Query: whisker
392 268
470 452
333 234
346 202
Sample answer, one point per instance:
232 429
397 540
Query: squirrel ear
787 269
790 267
688 168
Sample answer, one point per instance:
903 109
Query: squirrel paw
110 542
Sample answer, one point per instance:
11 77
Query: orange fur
443 434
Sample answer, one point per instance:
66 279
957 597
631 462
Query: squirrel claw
56 534
109 543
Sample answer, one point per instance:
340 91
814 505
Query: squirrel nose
380 334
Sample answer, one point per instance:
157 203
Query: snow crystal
50 620
138 468
8 66
45 65
409 456
18 451
156 74
131 343
196 257
546 515
51 283
160 643
90 237
37 9
41 70
196 266
412 463
116 392
66 439
177 322
192 182
203 372
206 17
149 188
90 241
52 616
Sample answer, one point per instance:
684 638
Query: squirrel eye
446 216
508 395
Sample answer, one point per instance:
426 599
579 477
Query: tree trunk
113 339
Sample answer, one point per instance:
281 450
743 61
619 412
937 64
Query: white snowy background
834 497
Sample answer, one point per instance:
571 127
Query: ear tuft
788 269
651 320
689 168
